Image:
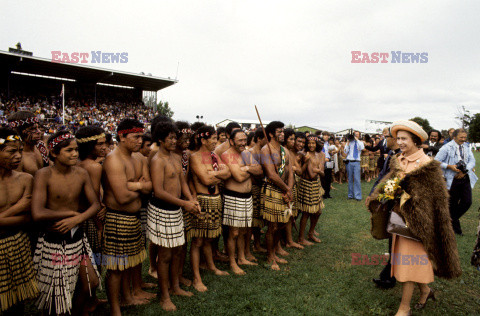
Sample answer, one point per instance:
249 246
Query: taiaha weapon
288 211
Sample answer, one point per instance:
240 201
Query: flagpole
63 102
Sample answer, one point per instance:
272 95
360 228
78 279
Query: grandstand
29 75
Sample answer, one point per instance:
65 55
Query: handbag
396 225
379 219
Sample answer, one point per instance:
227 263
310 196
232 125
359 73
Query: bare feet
144 295
316 233
273 265
148 285
185 281
153 273
246 262
220 272
178 291
280 260
315 239
199 286
237 270
281 252
305 242
203 266
134 301
220 257
168 306
293 244
250 257
259 249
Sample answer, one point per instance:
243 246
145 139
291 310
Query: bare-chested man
238 203
309 191
207 171
17 275
63 255
219 150
165 218
26 125
289 141
91 146
257 182
182 154
277 189
125 178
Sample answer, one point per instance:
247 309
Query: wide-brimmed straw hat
409 126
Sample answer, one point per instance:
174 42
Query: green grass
320 280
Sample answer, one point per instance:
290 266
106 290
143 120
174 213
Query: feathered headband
90 139
10 138
205 135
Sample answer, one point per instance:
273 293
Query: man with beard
26 125
277 189
238 204
125 178
17 275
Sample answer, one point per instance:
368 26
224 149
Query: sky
293 59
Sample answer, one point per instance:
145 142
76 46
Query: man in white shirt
353 148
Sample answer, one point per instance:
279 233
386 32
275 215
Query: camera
462 166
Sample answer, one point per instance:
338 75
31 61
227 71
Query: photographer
353 149
457 164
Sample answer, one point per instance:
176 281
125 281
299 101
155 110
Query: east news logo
396 57
97 57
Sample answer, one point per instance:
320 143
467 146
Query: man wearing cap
353 150
457 162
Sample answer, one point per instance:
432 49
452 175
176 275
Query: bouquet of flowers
390 190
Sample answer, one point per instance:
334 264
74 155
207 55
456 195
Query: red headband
18 123
131 130
57 140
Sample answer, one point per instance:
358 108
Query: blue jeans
354 186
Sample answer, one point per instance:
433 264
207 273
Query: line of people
71 209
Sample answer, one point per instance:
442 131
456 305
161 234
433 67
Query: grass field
321 280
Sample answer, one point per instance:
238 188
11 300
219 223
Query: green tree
474 129
424 123
161 108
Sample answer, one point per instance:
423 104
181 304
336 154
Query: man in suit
432 145
457 162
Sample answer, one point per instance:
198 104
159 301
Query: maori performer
277 189
164 217
125 178
310 190
257 183
208 171
63 255
238 203
17 275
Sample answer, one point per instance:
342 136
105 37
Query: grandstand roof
80 72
